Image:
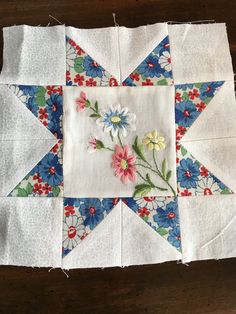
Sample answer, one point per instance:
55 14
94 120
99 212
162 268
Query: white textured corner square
30 231
34 55
200 53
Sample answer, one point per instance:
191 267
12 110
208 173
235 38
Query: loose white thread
219 234
63 270
118 45
206 139
54 18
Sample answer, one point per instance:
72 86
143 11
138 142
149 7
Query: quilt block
117 145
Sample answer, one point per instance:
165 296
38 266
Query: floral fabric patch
192 177
82 70
45 102
190 101
45 179
161 214
81 216
155 69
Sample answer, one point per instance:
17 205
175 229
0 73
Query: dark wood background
200 288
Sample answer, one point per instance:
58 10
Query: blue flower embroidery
187 173
209 89
51 170
150 67
92 68
92 209
117 119
174 237
167 217
185 113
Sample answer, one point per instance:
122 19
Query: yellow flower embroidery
154 140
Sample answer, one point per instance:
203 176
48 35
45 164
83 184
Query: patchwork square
117 145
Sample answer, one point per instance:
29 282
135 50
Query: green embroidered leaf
142 190
29 188
96 106
163 168
183 151
139 149
226 191
168 176
78 65
95 115
162 231
87 103
56 190
22 192
162 82
99 144
149 180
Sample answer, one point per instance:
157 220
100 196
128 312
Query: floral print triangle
190 101
45 179
194 179
82 70
45 103
81 216
161 214
155 69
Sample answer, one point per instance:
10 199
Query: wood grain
202 287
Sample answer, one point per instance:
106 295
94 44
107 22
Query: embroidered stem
111 136
120 139
108 148
153 185
155 162
159 174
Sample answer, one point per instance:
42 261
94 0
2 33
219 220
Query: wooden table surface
202 287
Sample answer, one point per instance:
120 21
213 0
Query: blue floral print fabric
192 177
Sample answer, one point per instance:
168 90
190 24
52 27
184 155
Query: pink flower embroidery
81 102
124 164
